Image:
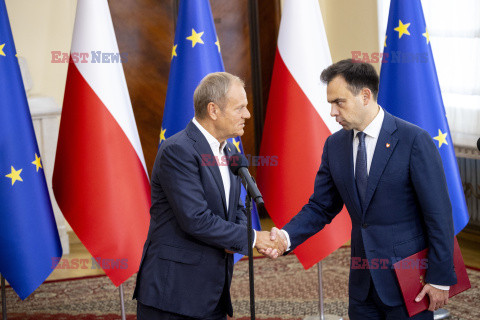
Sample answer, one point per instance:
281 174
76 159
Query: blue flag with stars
29 242
195 53
409 89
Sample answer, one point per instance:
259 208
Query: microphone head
237 161
478 144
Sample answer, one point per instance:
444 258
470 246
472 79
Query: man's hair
213 88
358 75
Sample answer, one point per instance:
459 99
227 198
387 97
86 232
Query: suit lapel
349 176
383 150
205 151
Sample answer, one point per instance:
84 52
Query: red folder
411 277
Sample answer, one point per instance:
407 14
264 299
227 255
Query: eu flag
29 241
409 89
195 53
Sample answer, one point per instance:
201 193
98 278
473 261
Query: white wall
40 27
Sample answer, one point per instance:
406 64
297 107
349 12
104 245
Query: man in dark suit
389 175
197 217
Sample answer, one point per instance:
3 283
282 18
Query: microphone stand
248 206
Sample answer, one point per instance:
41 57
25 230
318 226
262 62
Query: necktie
361 174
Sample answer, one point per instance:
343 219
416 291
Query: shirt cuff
254 238
285 233
436 286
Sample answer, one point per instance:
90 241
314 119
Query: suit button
364 226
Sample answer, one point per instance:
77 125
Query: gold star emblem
195 38
385 43
37 162
237 144
218 44
174 51
1 49
15 175
441 138
426 35
402 29
162 134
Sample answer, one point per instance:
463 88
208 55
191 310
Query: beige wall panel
351 25
40 27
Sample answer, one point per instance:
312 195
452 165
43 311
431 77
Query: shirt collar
373 129
212 141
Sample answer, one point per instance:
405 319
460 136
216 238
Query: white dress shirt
218 151
372 131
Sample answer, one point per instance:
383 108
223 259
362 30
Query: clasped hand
271 244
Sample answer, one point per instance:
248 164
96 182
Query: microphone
238 164
478 144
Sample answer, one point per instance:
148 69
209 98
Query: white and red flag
297 124
100 179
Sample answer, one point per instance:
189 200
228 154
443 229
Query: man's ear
212 111
367 96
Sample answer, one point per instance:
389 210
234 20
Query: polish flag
297 124
100 179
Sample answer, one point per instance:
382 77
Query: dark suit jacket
184 267
406 208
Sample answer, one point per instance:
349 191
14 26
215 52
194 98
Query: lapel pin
388 145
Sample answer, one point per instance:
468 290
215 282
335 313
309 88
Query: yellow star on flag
14 175
402 29
426 35
37 162
237 144
441 138
1 49
174 51
385 43
162 135
218 44
195 38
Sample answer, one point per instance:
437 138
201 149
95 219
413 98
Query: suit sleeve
179 177
322 207
428 178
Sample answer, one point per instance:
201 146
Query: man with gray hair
197 217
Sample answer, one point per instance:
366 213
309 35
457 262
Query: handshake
271 244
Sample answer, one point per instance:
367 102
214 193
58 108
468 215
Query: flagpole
322 315
248 206
122 303
320 291
4 299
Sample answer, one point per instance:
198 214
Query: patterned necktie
361 174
